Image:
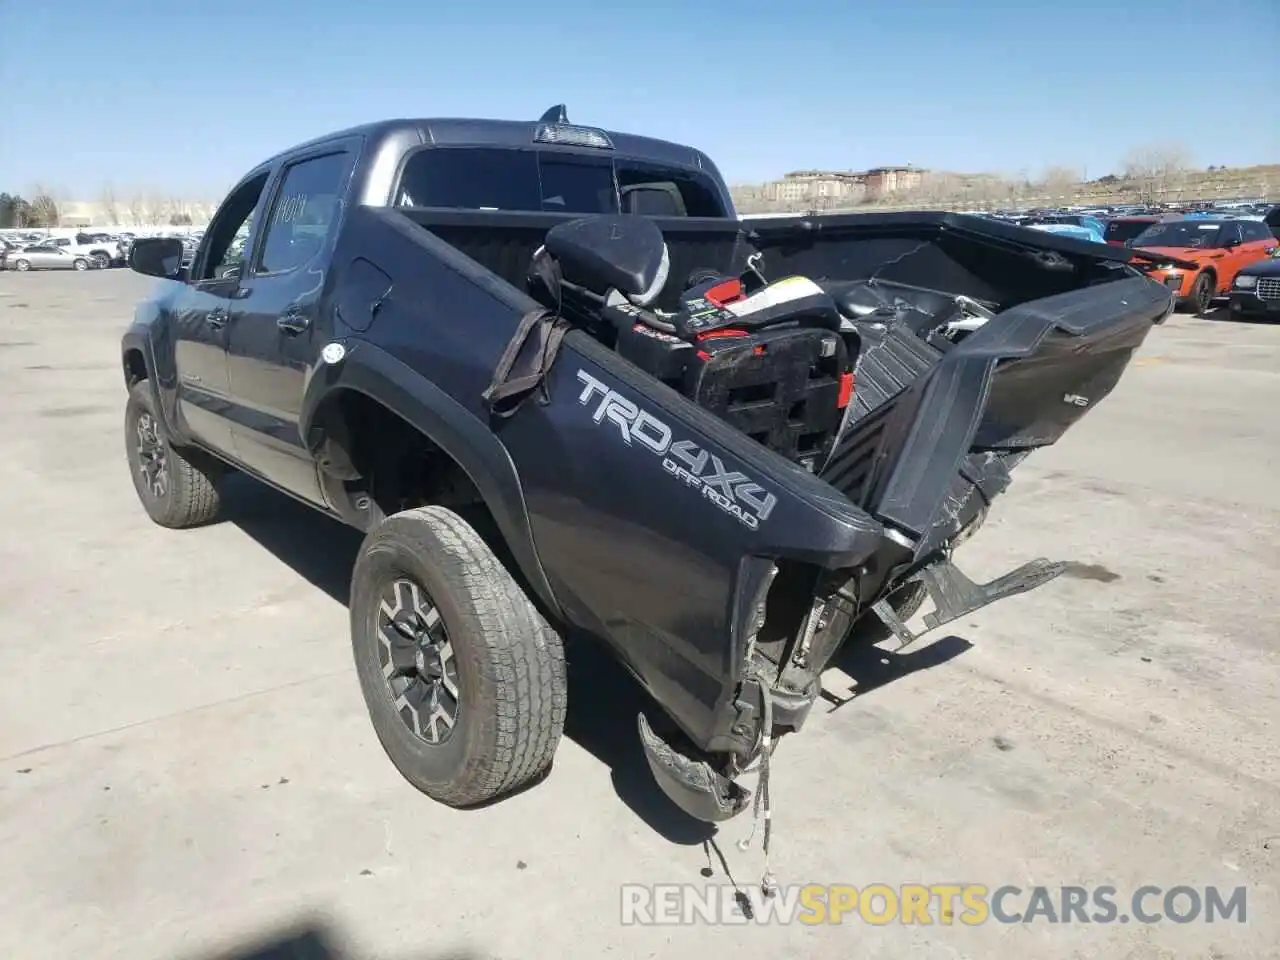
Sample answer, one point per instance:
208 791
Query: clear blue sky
185 96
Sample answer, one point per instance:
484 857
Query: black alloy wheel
152 457
175 484
417 661
463 678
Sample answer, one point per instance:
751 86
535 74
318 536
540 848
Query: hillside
964 191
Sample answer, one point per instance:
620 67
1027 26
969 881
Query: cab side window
1229 233
304 213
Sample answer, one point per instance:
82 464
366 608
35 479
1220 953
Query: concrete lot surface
187 768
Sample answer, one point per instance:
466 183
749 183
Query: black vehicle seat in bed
856 299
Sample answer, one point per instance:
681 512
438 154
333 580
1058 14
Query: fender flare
138 337
444 421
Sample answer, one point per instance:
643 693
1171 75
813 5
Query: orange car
1204 255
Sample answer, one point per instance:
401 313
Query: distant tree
110 205
1157 168
137 208
14 211
1059 182
153 208
44 208
180 220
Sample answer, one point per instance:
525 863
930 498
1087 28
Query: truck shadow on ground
873 667
310 940
604 698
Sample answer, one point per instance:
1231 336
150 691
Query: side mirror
612 252
157 257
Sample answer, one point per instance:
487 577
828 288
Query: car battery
659 354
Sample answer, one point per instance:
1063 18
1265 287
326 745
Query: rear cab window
532 180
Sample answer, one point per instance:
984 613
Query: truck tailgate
1015 384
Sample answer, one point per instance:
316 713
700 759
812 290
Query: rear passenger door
277 328
1231 257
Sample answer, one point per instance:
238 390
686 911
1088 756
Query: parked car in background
1082 227
1068 230
1255 292
113 243
49 256
1120 230
1204 256
103 253
189 246
1272 219
1088 221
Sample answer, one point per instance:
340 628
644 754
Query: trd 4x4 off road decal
733 492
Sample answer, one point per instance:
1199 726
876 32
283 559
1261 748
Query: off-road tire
906 602
102 260
510 661
1202 294
191 497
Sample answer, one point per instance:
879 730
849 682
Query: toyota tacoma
566 392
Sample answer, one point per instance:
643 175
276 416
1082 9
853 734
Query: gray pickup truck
569 395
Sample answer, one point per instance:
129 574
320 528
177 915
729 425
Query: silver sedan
44 256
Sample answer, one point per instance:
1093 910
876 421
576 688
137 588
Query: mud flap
954 595
691 784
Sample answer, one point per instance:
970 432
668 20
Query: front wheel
1202 294
464 680
177 486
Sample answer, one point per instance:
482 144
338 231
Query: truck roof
461 131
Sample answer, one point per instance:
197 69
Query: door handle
216 318
293 322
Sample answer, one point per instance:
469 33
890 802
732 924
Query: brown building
885 180
828 189
829 186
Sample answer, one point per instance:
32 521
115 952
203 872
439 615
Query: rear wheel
81 263
1202 294
23 265
102 260
906 602
463 678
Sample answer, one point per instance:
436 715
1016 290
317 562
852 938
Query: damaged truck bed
565 391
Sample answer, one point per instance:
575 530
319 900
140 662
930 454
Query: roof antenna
557 114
